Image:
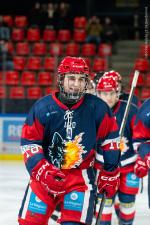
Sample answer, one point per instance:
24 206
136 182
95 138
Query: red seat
8 19
28 78
80 22
39 48
2 92
34 63
104 50
17 34
141 64
1 78
99 64
56 49
21 21
17 92
34 92
72 49
64 35
22 48
147 80
49 63
140 81
44 78
144 50
145 93
79 36
10 46
12 78
88 50
49 35
33 34
19 62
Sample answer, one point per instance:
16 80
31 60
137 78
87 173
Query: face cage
71 98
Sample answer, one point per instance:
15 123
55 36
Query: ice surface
13 181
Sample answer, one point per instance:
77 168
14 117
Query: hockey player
107 90
62 138
141 136
122 95
142 139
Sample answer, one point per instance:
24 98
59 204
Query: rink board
10 133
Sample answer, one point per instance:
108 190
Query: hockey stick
133 86
121 133
100 209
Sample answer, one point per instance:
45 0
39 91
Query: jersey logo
66 154
69 124
56 150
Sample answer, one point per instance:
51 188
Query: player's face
74 83
110 97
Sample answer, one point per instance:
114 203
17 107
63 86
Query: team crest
66 154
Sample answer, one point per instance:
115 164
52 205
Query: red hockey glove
147 160
108 182
140 168
50 177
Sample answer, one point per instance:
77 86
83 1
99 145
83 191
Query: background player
141 136
107 89
58 143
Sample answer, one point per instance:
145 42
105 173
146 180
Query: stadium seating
64 36
33 34
88 50
19 62
21 21
104 50
79 36
33 63
18 34
80 22
49 63
2 92
56 49
39 48
12 78
28 78
34 92
99 64
8 19
72 49
44 78
22 48
17 92
141 64
49 35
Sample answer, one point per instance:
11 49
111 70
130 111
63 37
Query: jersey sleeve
31 139
108 153
141 130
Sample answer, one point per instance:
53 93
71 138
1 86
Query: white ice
13 181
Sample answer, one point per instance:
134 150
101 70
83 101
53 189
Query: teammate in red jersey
61 141
107 90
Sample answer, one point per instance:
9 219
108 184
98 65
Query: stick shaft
100 209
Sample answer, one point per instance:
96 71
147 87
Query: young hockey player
141 135
107 90
62 138
122 95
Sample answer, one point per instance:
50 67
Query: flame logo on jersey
73 152
123 145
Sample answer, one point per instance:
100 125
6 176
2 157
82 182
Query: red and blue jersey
128 155
142 130
69 137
